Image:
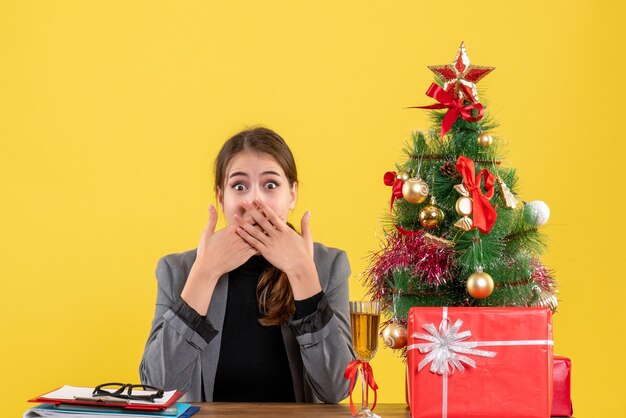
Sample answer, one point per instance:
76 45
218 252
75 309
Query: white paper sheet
70 392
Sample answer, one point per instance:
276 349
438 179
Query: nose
254 193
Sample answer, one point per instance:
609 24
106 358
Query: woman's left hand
282 246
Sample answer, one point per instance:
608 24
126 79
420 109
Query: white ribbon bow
445 347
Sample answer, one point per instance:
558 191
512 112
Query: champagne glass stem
364 403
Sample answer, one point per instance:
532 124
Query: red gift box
562 401
480 362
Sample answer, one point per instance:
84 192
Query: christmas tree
457 233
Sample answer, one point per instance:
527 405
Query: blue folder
181 410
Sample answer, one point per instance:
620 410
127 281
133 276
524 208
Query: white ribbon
446 348
445 345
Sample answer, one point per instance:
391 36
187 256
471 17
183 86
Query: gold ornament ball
415 190
485 140
479 285
547 300
395 336
403 175
431 216
464 206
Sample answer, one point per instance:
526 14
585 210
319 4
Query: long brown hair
273 290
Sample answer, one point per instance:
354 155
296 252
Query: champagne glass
364 321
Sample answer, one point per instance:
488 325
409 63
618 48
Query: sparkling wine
364 334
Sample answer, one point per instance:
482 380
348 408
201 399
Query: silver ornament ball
539 210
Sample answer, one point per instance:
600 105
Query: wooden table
293 410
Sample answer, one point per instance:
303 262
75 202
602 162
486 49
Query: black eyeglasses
116 390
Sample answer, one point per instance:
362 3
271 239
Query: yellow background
112 112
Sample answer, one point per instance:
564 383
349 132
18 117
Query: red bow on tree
483 213
368 375
391 179
455 108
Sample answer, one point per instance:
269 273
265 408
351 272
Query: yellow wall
111 114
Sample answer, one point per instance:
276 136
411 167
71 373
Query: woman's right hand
218 253
221 251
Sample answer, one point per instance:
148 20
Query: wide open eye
270 185
240 187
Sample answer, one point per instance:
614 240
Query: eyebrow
241 173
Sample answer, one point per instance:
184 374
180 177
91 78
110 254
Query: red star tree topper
461 77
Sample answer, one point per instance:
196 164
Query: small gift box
480 362
562 402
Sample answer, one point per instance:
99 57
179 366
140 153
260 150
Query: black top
253 364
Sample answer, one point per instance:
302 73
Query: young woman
258 312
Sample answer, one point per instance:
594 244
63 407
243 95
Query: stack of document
78 402
179 410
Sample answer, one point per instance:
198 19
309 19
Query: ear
293 195
220 198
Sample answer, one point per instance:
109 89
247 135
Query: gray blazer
319 346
